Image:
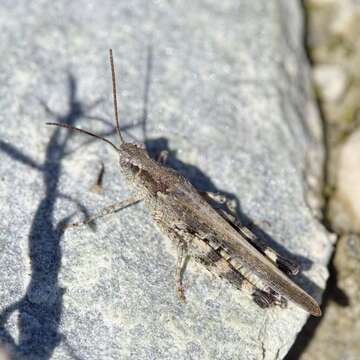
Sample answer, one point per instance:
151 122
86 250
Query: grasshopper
212 236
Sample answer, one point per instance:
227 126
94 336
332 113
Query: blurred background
333 45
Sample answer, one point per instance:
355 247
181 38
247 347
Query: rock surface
225 87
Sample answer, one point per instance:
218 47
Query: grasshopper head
132 155
146 174
138 167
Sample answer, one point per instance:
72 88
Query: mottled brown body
183 214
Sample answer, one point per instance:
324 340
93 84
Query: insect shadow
39 310
202 182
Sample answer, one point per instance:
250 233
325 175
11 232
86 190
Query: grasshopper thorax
148 175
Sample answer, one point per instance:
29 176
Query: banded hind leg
189 245
219 263
287 265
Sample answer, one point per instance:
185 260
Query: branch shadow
40 309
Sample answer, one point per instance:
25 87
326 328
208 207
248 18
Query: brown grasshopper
213 237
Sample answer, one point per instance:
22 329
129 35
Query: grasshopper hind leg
288 266
213 261
191 246
263 298
269 298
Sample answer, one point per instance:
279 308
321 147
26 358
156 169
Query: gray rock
225 86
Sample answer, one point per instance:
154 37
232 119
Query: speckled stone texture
222 85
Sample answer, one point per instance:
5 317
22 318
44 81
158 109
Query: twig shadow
39 310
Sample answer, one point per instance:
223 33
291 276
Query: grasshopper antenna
114 95
66 126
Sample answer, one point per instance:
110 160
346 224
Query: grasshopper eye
140 146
